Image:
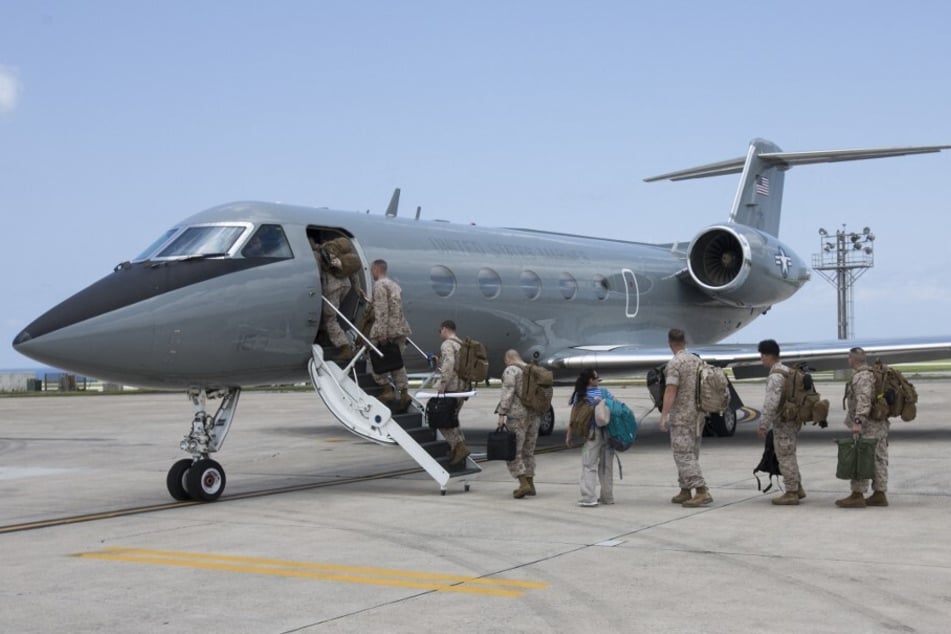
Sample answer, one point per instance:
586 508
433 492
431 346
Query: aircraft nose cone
21 338
72 336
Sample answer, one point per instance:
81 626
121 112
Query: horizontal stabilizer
789 159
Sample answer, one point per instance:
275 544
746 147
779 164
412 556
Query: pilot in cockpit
267 242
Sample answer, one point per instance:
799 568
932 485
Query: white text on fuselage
472 247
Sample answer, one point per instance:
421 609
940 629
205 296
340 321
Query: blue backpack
622 429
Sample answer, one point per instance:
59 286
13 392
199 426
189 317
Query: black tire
175 481
205 480
721 425
547 424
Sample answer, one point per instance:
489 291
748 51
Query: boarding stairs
349 392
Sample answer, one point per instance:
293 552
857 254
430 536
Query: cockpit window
204 240
268 241
152 247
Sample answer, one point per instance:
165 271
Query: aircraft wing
745 360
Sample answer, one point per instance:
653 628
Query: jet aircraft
231 297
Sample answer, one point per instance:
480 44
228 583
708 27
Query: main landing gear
200 477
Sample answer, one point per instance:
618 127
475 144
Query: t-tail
759 196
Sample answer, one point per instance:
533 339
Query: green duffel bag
856 458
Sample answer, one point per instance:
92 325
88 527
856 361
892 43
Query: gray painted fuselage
552 292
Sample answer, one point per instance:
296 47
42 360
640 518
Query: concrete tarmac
345 551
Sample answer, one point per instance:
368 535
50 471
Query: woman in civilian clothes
597 456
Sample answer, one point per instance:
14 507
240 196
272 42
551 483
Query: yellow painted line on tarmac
325 572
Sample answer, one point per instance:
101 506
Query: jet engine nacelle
742 266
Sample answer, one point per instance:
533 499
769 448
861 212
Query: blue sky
117 119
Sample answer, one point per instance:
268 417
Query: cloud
9 89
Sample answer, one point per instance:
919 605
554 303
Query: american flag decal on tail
762 185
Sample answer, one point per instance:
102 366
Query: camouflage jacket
682 372
448 379
859 392
774 395
388 320
509 403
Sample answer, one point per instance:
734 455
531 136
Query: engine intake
718 258
742 266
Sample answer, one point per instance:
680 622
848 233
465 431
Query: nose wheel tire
205 480
176 479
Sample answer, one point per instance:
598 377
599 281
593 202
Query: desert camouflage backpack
347 261
472 361
713 392
800 400
894 395
536 392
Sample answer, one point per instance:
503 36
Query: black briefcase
500 445
442 412
391 360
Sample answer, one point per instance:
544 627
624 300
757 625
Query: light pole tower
842 259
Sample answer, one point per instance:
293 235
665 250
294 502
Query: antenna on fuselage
393 208
418 209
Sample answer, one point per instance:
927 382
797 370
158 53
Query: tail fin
759 196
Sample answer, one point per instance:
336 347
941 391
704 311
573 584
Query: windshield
202 240
152 247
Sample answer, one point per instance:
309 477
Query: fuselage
219 319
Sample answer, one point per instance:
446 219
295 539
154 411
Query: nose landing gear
200 477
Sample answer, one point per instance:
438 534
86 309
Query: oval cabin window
531 284
568 285
443 281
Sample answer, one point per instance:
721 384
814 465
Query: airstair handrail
352 326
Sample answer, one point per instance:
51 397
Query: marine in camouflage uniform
449 382
785 432
389 324
686 421
514 415
859 394
335 288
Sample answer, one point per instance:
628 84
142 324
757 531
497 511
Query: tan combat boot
789 498
801 492
855 501
701 498
523 488
531 485
681 497
404 401
459 454
387 394
876 499
344 353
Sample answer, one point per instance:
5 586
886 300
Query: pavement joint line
91 517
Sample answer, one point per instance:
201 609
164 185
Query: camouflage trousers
876 429
454 435
784 444
526 435
329 316
685 443
400 380
597 465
